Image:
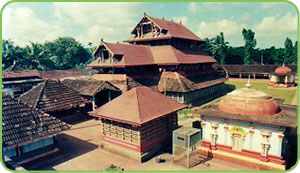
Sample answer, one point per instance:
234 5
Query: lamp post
164 72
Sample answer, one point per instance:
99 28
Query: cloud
228 27
22 25
183 19
111 21
244 17
192 7
276 25
86 22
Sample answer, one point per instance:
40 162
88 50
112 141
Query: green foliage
288 51
217 47
62 53
250 43
10 53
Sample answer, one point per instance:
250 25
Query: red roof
138 106
282 70
176 30
135 55
20 74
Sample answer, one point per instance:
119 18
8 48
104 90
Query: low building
138 122
283 77
19 81
56 99
249 127
27 133
96 91
252 70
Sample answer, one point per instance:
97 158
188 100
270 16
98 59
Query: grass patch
286 94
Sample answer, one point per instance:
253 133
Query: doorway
237 142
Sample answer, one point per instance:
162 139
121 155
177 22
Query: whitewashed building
248 126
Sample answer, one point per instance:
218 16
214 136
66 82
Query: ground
287 94
81 146
80 150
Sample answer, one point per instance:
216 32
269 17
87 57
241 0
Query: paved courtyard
80 150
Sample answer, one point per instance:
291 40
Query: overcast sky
91 21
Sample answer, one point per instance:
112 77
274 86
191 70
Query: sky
23 22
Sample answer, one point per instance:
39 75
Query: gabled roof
138 106
136 55
50 96
89 87
175 82
22 124
174 30
120 81
20 74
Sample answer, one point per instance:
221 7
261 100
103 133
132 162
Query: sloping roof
175 82
89 87
50 96
174 30
59 74
252 68
22 124
138 106
120 81
20 74
135 55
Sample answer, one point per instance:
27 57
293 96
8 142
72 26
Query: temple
165 56
132 125
248 125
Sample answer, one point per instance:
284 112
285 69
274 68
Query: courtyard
80 149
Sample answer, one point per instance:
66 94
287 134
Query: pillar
93 103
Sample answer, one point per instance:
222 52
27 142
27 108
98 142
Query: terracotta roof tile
135 55
22 124
50 96
174 30
138 106
20 74
89 87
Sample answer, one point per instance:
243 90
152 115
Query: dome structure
283 70
248 101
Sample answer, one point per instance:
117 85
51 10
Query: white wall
253 145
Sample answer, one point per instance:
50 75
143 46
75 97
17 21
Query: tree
250 43
288 51
218 48
10 53
67 53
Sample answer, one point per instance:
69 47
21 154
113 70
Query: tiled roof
175 82
138 106
89 87
252 68
20 74
120 81
59 74
135 55
22 124
50 96
174 30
